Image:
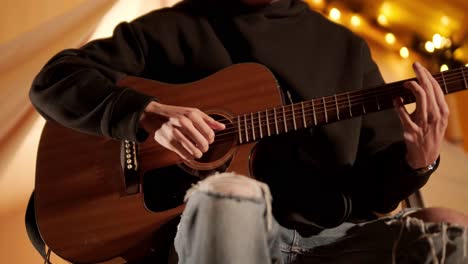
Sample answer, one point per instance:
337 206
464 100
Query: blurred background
399 32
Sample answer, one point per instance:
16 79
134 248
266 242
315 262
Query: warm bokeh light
404 52
386 8
444 67
429 46
390 38
335 14
459 54
382 20
438 40
445 20
355 21
316 3
446 42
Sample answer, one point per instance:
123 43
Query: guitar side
82 210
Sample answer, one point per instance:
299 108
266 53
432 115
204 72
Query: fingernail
417 64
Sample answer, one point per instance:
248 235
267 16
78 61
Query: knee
440 214
231 185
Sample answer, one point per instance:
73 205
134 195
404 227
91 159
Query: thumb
215 125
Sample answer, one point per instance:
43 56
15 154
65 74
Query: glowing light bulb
382 20
355 21
316 3
446 42
459 54
445 20
390 38
466 65
438 40
335 14
429 46
444 67
404 52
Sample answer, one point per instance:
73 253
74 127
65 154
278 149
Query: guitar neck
321 111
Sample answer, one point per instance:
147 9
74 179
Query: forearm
78 87
77 95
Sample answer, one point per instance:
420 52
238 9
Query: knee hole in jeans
230 184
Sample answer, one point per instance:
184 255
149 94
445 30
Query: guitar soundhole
165 188
223 142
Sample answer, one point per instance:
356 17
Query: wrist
144 116
152 107
423 169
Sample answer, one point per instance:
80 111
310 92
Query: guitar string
344 102
318 110
290 118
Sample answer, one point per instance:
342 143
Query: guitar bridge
129 163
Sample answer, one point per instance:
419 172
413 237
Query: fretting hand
424 129
184 130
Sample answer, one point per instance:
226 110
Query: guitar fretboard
320 111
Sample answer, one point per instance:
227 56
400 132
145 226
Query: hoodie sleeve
381 176
77 87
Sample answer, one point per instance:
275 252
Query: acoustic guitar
91 203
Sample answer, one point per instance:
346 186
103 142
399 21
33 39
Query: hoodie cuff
126 115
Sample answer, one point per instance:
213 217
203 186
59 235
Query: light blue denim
228 229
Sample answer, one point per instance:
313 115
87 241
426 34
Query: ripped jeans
228 220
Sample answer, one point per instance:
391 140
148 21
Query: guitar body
90 206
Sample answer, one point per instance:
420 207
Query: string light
404 52
437 39
446 42
429 46
382 20
445 20
316 3
459 54
390 38
355 21
335 14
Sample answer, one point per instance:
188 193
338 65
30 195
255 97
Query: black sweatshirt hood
278 9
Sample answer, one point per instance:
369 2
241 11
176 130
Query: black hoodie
362 158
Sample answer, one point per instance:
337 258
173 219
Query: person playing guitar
314 184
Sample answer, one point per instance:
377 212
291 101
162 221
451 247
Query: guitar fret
464 78
313 110
268 123
325 109
349 105
260 124
378 104
445 85
303 115
363 108
253 125
276 121
239 129
294 117
246 128
284 120
337 108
